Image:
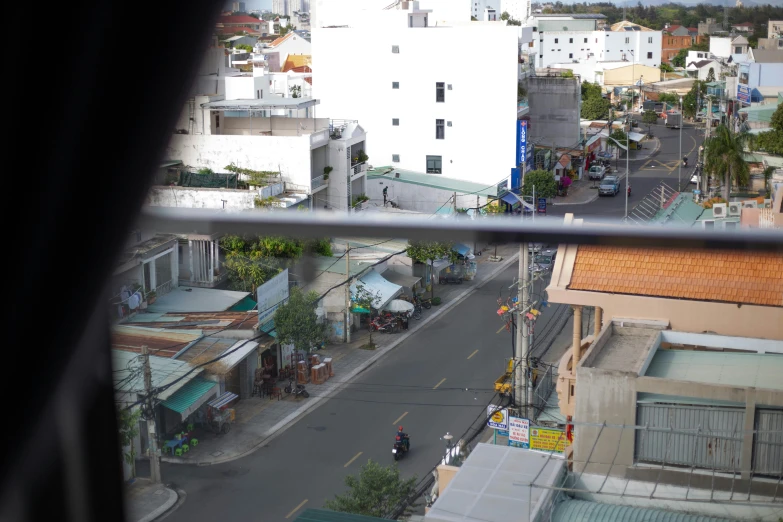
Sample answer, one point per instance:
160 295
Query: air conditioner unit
735 209
719 210
750 204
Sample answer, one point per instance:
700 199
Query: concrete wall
554 107
194 197
671 45
721 47
277 125
247 87
289 154
629 75
479 146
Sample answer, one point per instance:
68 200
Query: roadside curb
592 198
302 411
164 509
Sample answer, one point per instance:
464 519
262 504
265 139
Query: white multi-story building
516 9
582 44
432 101
281 7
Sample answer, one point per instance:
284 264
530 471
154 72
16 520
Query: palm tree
723 155
767 175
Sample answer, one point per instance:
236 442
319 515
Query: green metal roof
324 515
269 328
585 511
681 211
433 180
333 266
189 394
773 161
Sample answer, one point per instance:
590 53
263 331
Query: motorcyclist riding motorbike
403 438
685 161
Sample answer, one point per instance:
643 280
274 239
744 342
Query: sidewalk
260 419
145 501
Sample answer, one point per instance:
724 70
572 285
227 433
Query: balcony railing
358 169
319 138
318 182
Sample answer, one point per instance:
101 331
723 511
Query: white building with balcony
417 85
582 44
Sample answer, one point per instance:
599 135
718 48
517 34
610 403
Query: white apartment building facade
579 43
281 7
420 91
516 9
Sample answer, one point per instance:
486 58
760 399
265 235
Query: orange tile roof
725 276
281 39
296 60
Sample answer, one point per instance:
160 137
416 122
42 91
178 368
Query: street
440 380
645 174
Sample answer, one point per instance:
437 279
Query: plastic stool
178 452
185 448
194 442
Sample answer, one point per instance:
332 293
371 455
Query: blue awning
378 286
190 397
510 198
461 249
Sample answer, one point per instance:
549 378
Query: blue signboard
743 93
542 205
521 156
516 178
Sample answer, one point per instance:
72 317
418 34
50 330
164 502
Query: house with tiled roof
240 21
744 28
290 44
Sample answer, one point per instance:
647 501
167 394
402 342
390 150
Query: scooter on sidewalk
297 390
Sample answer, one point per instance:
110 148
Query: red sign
594 145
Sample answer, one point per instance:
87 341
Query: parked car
695 179
596 172
610 186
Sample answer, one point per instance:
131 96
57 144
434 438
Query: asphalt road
663 166
439 380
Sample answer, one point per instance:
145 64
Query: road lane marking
501 329
346 465
474 353
441 382
297 508
399 418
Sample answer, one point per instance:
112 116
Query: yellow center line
441 382
474 353
350 461
501 329
399 418
297 508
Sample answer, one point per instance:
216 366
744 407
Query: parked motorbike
426 303
401 447
383 325
417 311
297 390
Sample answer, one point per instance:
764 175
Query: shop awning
402 280
635 136
510 198
236 354
190 397
269 328
377 285
223 400
461 249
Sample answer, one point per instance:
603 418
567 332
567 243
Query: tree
128 420
297 323
363 298
375 492
650 118
665 67
724 158
424 251
669 99
689 101
771 142
595 109
679 60
244 47
543 181
591 90
296 91
568 73
711 75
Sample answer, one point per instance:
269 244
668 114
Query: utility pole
679 163
154 462
455 204
348 293
520 357
627 167
475 215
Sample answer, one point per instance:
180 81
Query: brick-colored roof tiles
725 276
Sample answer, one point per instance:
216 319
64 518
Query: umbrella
398 305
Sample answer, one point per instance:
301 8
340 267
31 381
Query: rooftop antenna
726 16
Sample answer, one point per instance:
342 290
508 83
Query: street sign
519 432
743 93
545 439
497 418
542 205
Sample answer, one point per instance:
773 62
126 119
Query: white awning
635 136
239 351
378 286
399 279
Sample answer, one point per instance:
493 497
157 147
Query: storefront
592 147
378 286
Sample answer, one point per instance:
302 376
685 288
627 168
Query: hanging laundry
134 301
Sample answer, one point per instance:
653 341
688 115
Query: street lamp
679 162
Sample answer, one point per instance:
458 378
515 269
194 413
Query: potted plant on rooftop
150 297
327 170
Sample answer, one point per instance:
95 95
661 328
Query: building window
440 129
395 85
395 49
649 56
570 40
396 122
570 55
434 164
440 92
395 158
540 56
738 50
627 40
585 40
649 40
556 40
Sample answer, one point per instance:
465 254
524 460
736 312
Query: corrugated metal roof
160 341
432 180
584 511
189 394
129 379
324 515
732 369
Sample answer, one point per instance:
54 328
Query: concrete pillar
598 319
211 261
577 346
190 260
